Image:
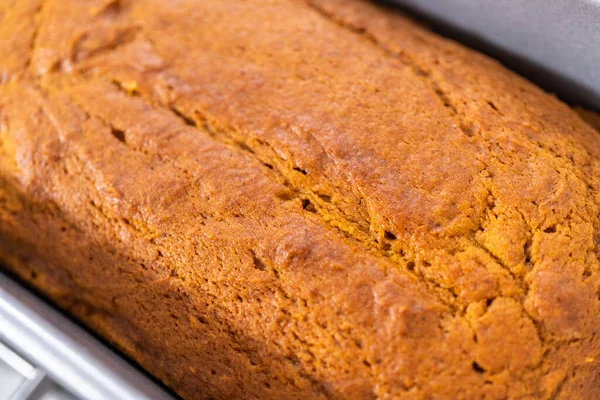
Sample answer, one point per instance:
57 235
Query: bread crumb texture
299 199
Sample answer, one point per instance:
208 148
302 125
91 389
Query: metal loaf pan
44 355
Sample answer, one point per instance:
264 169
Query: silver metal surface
32 388
13 361
561 37
20 380
10 378
49 352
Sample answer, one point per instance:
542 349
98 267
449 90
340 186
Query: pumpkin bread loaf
299 199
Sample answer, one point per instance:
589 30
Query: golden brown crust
297 199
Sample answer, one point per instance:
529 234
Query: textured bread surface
299 199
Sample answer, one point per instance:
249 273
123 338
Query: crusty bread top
437 213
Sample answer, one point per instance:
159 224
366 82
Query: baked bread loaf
299 199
